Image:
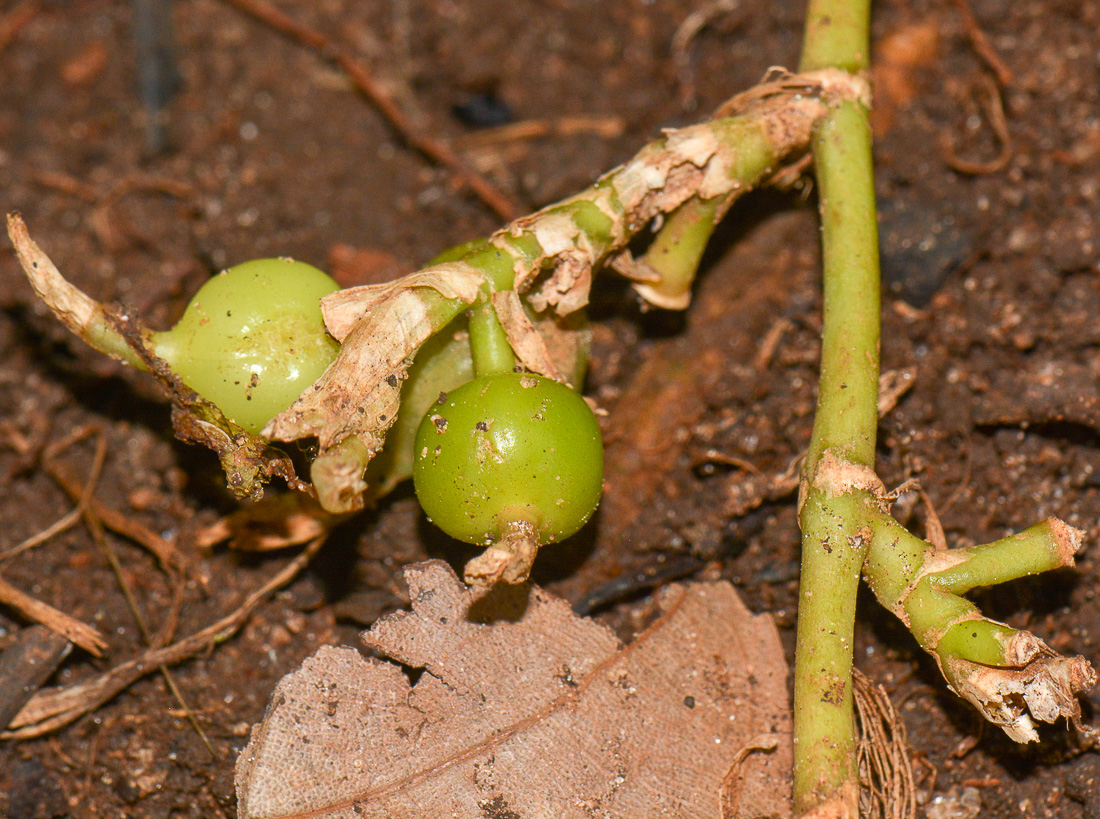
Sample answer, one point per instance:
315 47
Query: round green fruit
507 449
252 339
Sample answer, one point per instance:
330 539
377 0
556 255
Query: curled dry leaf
380 328
566 250
525 709
1046 689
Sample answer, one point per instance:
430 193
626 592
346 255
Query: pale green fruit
252 339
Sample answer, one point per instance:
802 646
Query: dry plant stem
72 629
530 129
81 314
96 529
838 479
165 552
52 709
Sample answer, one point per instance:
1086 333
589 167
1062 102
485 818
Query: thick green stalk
837 503
677 250
837 35
824 721
847 416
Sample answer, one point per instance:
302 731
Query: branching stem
1011 676
835 506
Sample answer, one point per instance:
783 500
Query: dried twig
730 796
105 219
64 183
80 633
62 524
428 145
50 710
770 343
79 494
95 528
28 448
606 127
169 556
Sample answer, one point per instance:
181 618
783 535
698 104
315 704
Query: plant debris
525 709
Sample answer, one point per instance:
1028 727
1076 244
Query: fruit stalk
488 344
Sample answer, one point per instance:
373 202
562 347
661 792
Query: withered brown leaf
525 709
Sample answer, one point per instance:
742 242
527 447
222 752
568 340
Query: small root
982 45
887 789
995 113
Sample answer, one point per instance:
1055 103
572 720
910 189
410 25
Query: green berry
252 339
505 449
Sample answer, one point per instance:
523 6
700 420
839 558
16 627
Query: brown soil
991 259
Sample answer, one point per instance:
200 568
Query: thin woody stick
163 550
428 145
69 627
49 710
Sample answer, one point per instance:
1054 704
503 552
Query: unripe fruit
252 339
509 448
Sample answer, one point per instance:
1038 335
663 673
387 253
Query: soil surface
989 184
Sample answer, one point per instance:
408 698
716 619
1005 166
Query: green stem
837 35
922 585
1045 546
676 252
824 720
488 344
597 224
836 510
847 416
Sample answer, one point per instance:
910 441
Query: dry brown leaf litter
525 709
